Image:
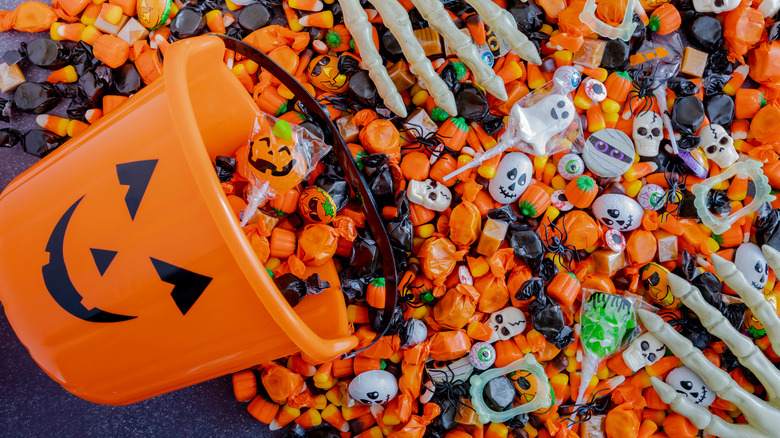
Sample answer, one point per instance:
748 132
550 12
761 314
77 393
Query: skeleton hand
763 417
397 20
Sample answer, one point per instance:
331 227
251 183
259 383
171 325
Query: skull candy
513 176
689 384
716 6
429 194
506 323
643 351
718 146
750 261
648 133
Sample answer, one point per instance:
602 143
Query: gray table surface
33 405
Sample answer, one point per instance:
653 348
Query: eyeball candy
482 355
567 79
513 175
595 89
608 153
615 240
618 212
651 197
373 387
316 205
559 201
571 166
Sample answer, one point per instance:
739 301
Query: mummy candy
513 176
608 153
618 212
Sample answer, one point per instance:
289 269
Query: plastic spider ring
558 199
751 169
623 31
541 400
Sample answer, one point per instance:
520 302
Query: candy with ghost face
506 323
752 264
689 384
429 194
513 176
608 153
618 212
537 124
373 387
643 351
482 355
570 166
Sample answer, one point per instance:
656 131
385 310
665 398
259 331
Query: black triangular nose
511 187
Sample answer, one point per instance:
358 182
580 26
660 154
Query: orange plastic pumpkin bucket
124 272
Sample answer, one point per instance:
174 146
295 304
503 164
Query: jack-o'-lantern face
324 74
752 324
273 157
654 280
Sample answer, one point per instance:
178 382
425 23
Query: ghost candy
618 212
373 387
752 264
608 153
689 384
537 124
513 176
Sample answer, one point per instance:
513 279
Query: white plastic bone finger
433 12
693 358
504 25
763 311
701 417
396 19
744 349
356 20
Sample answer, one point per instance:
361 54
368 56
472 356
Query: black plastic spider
598 405
643 90
451 392
433 142
338 101
674 194
556 245
410 297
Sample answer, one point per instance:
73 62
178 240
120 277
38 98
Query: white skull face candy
373 387
716 6
618 212
648 133
506 323
537 124
608 153
429 194
752 264
718 146
643 351
513 176
689 384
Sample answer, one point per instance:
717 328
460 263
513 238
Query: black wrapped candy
36 97
39 142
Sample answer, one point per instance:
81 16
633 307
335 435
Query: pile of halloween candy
531 229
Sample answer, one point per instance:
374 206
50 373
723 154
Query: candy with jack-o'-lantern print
752 324
329 73
273 156
653 278
316 205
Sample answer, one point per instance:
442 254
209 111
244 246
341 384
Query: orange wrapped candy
450 345
281 383
622 422
577 227
742 28
275 36
764 62
28 17
381 137
317 244
455 308
494 295
764 125
438 257
465 224
641 247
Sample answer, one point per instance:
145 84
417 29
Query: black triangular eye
512 174
522 180
654 279
759 268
